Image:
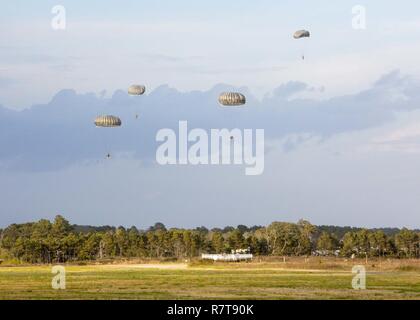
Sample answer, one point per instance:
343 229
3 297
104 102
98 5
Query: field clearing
295 279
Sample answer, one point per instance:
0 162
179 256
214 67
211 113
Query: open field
296 279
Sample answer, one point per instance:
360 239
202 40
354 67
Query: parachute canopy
302 34
107 121
232 99
136 90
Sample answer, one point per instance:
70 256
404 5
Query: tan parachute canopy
302 34
232 99
107 121
136 90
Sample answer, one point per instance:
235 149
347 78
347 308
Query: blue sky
343 147
194 45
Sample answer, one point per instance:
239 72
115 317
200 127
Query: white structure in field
235 257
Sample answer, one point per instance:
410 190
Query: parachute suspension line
304 49
301 35
106 123
233 101
106 149
136 90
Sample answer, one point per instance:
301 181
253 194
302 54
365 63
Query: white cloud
400 137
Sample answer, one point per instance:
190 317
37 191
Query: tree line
59 241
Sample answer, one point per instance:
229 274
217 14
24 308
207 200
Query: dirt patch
162 266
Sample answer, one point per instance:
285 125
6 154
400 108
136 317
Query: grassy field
295 279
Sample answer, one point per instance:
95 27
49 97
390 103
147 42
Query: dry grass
317 263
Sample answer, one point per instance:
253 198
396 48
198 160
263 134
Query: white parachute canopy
136 90
107 121
232 99
302 34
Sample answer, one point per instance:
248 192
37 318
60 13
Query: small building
235 257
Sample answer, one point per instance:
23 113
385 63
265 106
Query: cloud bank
61 133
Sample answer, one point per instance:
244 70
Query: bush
408 268
11 262
200 262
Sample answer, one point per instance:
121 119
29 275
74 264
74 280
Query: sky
341 126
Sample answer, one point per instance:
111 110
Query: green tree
121 241
90 247
379 244
305 244
218 242
407 243
350 244
60 227
236 240
327 242
283 238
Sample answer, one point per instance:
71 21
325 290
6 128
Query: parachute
107 121
302 34
136 90
232 99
